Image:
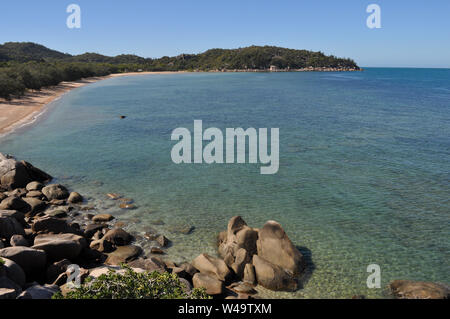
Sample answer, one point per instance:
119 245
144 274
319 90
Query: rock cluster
42 233
250 257
407 289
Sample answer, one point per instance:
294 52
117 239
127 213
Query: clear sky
414 33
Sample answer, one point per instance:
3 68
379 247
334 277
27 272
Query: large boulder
118 237
272 276
34 186
275 246
9 227
407 289
32 261
15 174
237 236
123 254
20 217
53 225
14 272
36 205
39 292
74 198
149 264
212 285
15 203
212 266
55 191
60 246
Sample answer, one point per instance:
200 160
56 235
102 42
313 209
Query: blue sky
414 33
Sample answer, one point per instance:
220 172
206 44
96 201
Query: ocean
364 173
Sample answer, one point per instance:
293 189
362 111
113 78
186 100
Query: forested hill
25 65
253 57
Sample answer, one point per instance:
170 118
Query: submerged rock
408 289
102 218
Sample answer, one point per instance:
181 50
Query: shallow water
364 165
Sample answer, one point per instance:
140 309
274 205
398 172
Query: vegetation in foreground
133 285
25 65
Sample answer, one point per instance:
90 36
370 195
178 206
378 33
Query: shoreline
25 110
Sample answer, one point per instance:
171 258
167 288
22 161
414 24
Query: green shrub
2 262
133 285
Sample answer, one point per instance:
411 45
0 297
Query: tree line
32 66
16 78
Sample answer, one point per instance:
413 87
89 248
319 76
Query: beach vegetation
133 285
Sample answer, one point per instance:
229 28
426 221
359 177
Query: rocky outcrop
408 289
266 257
60 246
275 246
15 174
101 218
61 231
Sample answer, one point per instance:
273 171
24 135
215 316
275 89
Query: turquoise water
364 165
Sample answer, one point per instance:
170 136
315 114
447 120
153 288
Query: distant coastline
25 110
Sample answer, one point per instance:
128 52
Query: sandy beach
21 111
